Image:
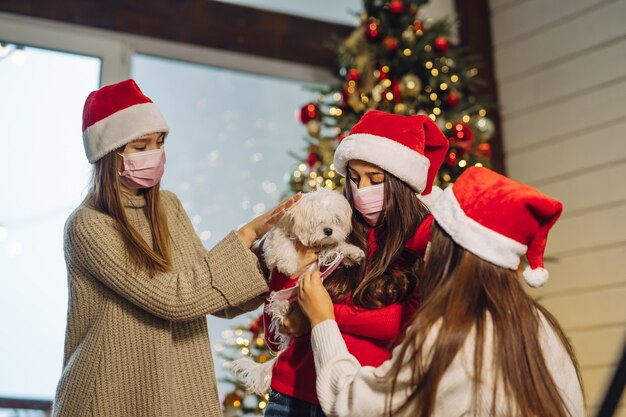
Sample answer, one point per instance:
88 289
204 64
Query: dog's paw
352 255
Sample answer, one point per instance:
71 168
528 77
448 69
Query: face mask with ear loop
369 201
143 169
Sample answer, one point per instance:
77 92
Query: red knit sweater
368 334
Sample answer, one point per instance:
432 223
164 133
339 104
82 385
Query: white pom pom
430 198
257 377
536 277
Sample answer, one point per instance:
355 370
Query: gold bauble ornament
410 85
400 108
314 128
233 399
408 35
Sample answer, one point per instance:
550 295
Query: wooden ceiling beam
199 22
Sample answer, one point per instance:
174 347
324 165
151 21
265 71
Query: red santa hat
117 114
410 147
498 220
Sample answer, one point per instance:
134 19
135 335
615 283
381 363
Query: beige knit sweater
137 345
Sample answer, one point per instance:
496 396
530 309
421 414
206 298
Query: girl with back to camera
480 346
388 161
140 281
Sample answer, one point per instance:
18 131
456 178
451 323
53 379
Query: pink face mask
369 201
143 169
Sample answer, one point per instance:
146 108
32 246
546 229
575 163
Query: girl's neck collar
133 201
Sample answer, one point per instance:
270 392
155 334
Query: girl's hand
314 299
295 323
259 226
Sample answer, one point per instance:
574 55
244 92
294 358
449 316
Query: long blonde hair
105 195
461 289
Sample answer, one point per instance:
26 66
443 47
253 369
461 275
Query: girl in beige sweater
480 346
140 280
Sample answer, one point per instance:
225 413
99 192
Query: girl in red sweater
390 162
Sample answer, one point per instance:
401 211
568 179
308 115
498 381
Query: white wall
561 72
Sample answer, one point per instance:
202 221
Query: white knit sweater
346 388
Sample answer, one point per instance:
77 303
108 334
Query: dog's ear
288 219
299 215
342 211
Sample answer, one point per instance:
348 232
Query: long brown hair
462 290
105 195
390 275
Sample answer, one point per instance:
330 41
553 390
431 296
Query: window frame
116 50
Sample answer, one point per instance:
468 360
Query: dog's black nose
328 231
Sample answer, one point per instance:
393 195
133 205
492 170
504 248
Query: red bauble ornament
464 147
343 103
485 150
312 158
309 112
372 32
396 6
418 25
353 75
453 98
463 133
391 43
395 90
256 327
452 158
441 44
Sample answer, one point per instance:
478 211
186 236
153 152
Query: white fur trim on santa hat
535 277
405 163
122 127
430 198
473 236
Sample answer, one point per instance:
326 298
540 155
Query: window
44 174
227 157
227 148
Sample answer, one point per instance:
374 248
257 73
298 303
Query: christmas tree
395 62
398 63
243 341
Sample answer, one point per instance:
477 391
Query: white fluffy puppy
321 219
